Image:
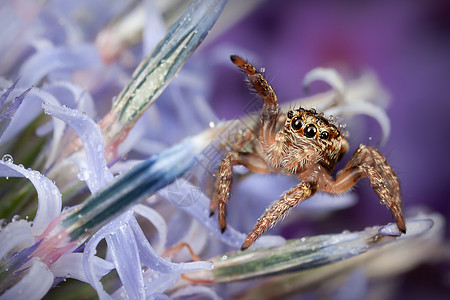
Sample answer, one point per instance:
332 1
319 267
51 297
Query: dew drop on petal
8 159
83 174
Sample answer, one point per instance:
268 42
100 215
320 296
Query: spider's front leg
269 114
368 162
279 210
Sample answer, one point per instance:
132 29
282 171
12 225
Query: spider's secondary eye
296 123
310 131
290 114
324 135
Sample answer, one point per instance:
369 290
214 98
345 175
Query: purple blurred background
407 44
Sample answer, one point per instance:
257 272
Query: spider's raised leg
269 114
224 178
368 162
279 210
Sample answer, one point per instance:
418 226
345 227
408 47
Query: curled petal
157 220
73 96
70 265
16 235
365 108
97 175
330 76
49 197
33 285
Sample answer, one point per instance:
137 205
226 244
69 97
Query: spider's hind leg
368 162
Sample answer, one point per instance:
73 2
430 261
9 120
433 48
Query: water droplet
212 124
15 218
224 257
262 70
7 159
370 138
83 174
382 202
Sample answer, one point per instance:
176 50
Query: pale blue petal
49 197
67 59
91 249
182 191
155 284
125 255
97 175
8 91
196 291
157 220
158 283
33 285
70 265
31 108
16 235
8 111
152 260
72 96
154 28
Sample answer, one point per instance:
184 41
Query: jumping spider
307 146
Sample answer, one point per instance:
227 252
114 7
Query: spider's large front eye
310 131
296 123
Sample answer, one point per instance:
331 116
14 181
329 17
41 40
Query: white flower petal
330 76
90 250
49 197
157 220
34 284
125 255
365 108
98 174
70 265
16 235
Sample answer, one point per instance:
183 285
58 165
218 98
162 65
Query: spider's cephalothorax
307 146
306 131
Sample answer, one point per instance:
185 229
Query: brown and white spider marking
304 144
